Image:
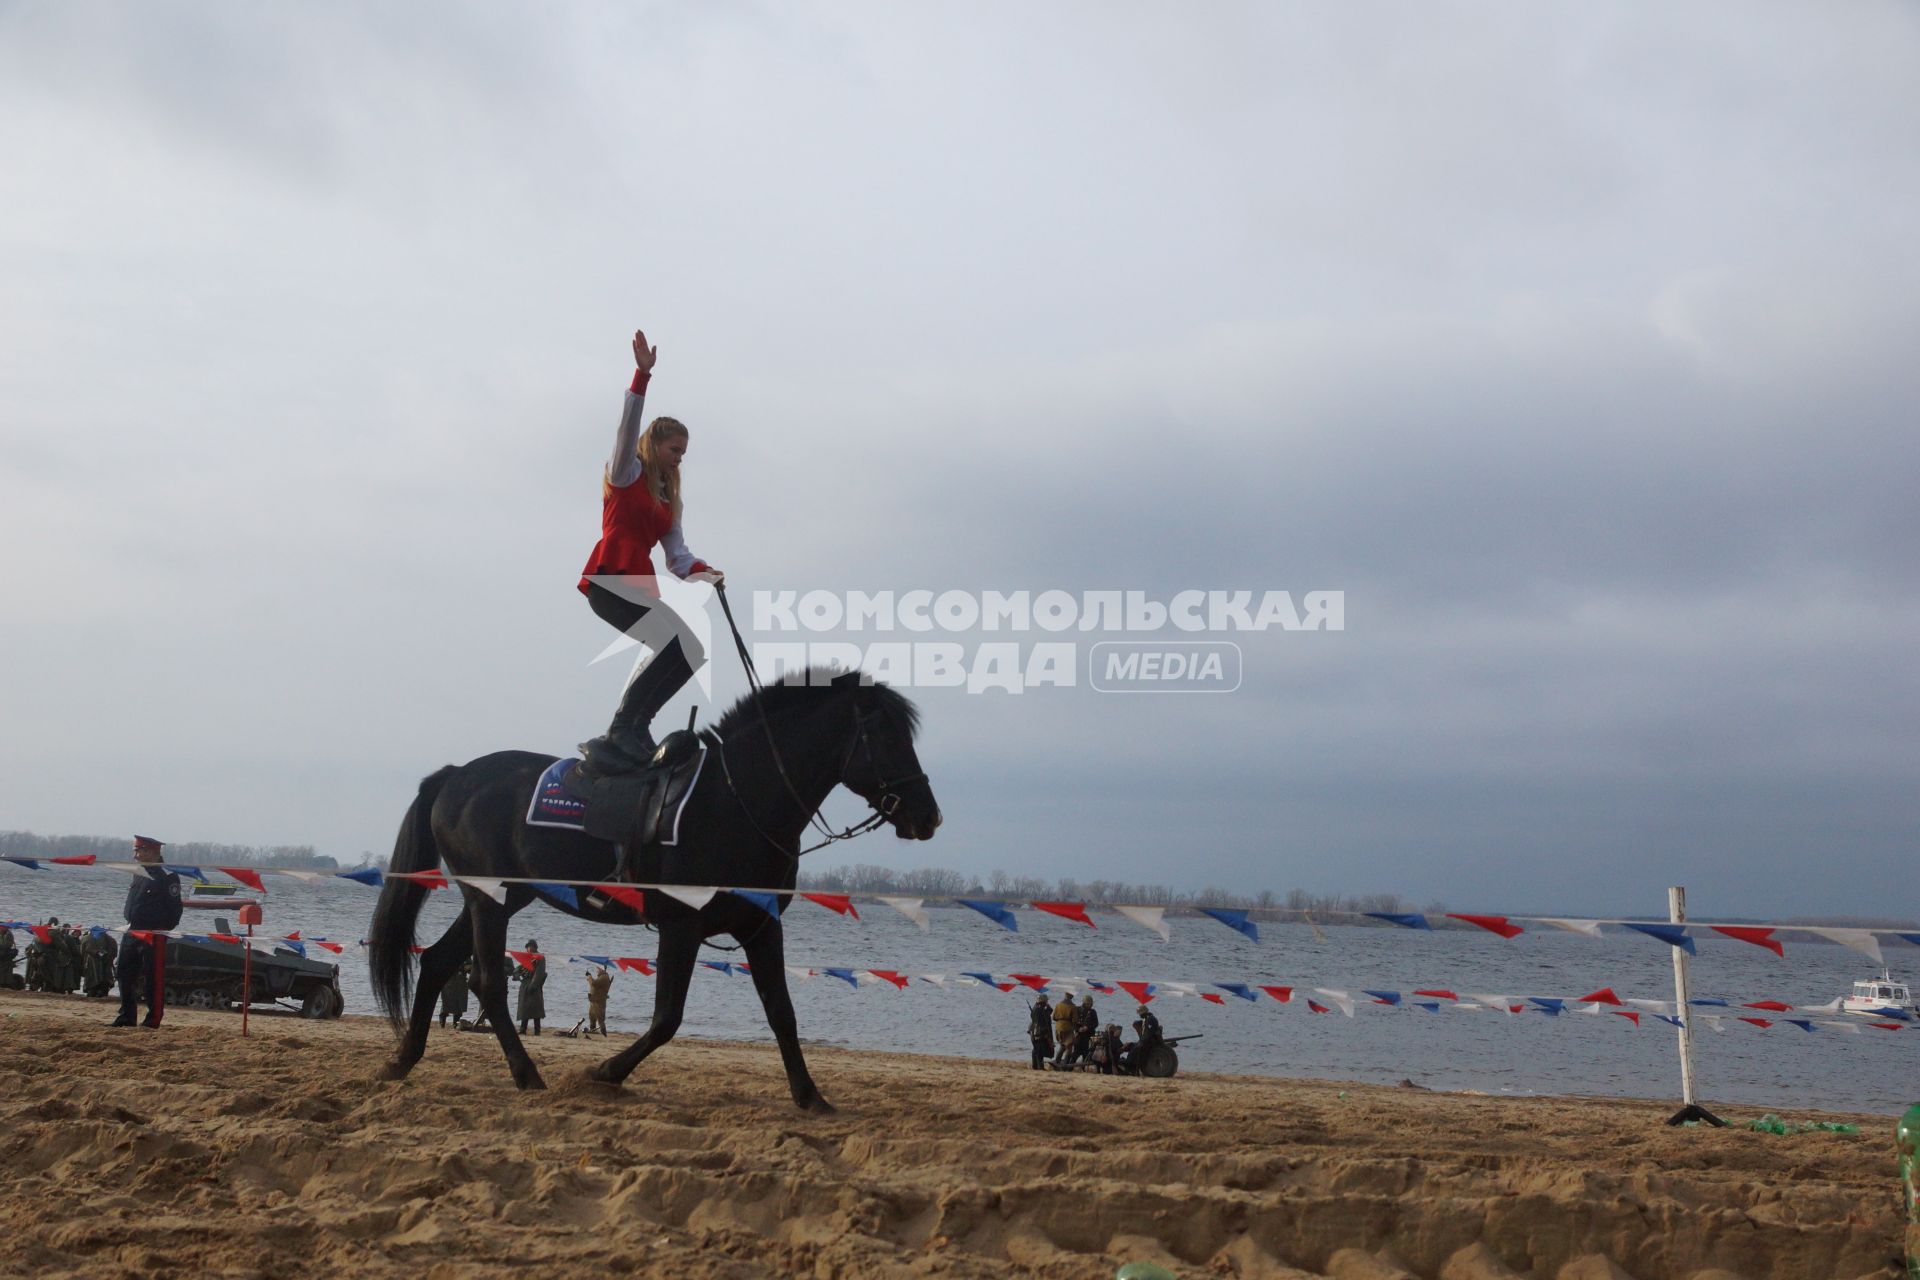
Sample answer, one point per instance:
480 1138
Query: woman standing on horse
639 510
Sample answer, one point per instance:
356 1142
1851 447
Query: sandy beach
189 1151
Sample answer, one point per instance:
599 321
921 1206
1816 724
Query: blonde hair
663 483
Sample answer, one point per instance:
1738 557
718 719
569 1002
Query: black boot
628 742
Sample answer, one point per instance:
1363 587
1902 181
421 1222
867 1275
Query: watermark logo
1148 666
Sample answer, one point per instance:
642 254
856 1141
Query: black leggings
669 671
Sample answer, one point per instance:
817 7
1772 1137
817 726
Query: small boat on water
208 896
1882 997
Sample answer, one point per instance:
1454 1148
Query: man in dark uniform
153 903
533 983
8 953
1040 1031
1086 1025
453 996
1135 1058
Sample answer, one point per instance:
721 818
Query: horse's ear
851 680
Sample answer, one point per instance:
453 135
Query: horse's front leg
766 953
490 921
437 965
679 948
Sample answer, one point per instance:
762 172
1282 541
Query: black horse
770 766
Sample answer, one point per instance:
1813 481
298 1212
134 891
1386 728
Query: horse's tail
390 946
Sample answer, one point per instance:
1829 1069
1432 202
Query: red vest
632 522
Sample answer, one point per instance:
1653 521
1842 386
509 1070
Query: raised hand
643 355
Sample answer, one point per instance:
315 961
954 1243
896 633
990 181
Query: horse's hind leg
766 954
490 964
679 948
437 965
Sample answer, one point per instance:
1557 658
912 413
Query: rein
884 806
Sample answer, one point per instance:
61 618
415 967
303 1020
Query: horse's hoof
532 1082
817 1105
600 1075
395 1070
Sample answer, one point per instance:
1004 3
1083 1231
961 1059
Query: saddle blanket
555 806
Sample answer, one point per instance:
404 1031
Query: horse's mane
807 689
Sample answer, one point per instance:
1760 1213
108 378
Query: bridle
885 803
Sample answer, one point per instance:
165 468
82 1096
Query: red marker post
249 916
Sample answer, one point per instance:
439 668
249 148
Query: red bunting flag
1762 1023
1033 980
887 975
1208 995
291 937
1438 993
416 948
634 964
1315 1005
1283 994
224 937
625 894
838 903
1772 1006
75 860
1630 1015
145 935
1759 937
334 947
1885 1026
1603 996
1492 924
524 959
1005 986
45 934
251 879
433 879
1138 990
1516 1008
1074 911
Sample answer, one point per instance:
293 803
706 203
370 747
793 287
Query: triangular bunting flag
1405 919
1757 936
561 893
1492 924
1283 994
244 875
626 895
1142 992
80 860
491 886
1074 911
1672 934
1861 940
696 897
1587 928
767 902
1240 989
433 879
911 909
897 981
845 975
1235 920
1603 996
1438 993
1154 918
635 964
369 876
838 903
994 911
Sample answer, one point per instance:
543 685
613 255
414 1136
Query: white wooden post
1677 913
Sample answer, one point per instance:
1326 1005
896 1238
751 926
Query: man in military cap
533 982
75 943
8 954
153 905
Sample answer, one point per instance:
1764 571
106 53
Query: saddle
633 810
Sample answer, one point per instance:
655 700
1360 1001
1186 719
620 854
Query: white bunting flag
1154 918
1861 940
799 972
495 889
911 909
937 979
311 877
1340 998
696 898
1586 928
131 868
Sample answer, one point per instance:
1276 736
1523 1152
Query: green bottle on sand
1906 1137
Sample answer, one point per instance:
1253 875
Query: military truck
207 973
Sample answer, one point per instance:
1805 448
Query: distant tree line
301 857
867 877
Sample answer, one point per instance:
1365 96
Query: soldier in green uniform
36 963
453 996
8 954
99 952
533 982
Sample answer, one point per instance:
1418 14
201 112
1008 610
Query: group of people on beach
1068 1037
531 1005
61 958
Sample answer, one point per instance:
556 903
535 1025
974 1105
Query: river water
1782 1068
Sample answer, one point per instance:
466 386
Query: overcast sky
1574 345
